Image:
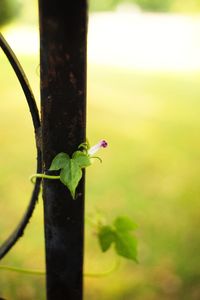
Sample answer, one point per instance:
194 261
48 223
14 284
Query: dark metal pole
63 27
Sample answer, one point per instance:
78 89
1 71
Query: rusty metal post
63 28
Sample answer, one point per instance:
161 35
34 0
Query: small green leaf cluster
119 234
70 168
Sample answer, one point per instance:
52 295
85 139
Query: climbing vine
119 232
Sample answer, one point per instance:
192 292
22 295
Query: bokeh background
144 98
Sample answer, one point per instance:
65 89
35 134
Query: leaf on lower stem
123 223
126 245
106 237
119 233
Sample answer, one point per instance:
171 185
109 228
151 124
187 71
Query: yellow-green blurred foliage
150 172
148 5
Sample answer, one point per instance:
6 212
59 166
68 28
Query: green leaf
70 176
126 245
59 161
123 223
106 237
82 159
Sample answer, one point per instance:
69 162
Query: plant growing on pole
58 134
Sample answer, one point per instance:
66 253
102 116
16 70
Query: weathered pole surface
63 30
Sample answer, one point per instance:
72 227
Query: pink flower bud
95 148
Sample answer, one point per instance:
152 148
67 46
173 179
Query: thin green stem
97 158
105 273
43 176
24 271
42 273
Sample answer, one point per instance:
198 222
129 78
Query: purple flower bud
104 144
95 148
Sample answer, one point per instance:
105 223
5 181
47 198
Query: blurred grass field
150 172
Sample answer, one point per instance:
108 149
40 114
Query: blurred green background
150 172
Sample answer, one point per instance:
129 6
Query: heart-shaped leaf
119 234
82 159
123 223
70 176
59 161
126 245
106 237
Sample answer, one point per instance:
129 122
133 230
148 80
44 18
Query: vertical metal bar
63 28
